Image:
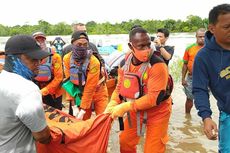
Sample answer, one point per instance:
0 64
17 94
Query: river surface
179 40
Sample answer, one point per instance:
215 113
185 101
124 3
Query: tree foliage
191 24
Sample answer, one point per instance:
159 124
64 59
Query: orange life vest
45 73
78 72
132 86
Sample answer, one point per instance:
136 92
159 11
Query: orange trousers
100 101
156 130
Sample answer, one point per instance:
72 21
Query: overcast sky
20 12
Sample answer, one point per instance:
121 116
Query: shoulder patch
122 63
57 65
93 70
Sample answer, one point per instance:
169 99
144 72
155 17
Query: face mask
79 53
142 55
14 64
42 45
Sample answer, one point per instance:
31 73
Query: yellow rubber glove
110 106
44 91
121 109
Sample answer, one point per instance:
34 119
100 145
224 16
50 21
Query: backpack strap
85 64
155 59
49 61
120 119
122 63
141 130
80 77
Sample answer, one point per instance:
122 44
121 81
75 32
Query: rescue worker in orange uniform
92 88
141 91
50 74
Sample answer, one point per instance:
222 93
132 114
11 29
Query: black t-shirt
169 49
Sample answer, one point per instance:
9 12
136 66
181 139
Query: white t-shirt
21 113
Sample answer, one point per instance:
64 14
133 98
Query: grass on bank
175 68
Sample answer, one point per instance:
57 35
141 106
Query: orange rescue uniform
52 90
189 55
157 115
54 86
92 92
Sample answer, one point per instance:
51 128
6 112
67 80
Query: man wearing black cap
22 116
80 27
83 70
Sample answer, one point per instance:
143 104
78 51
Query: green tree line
191 24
